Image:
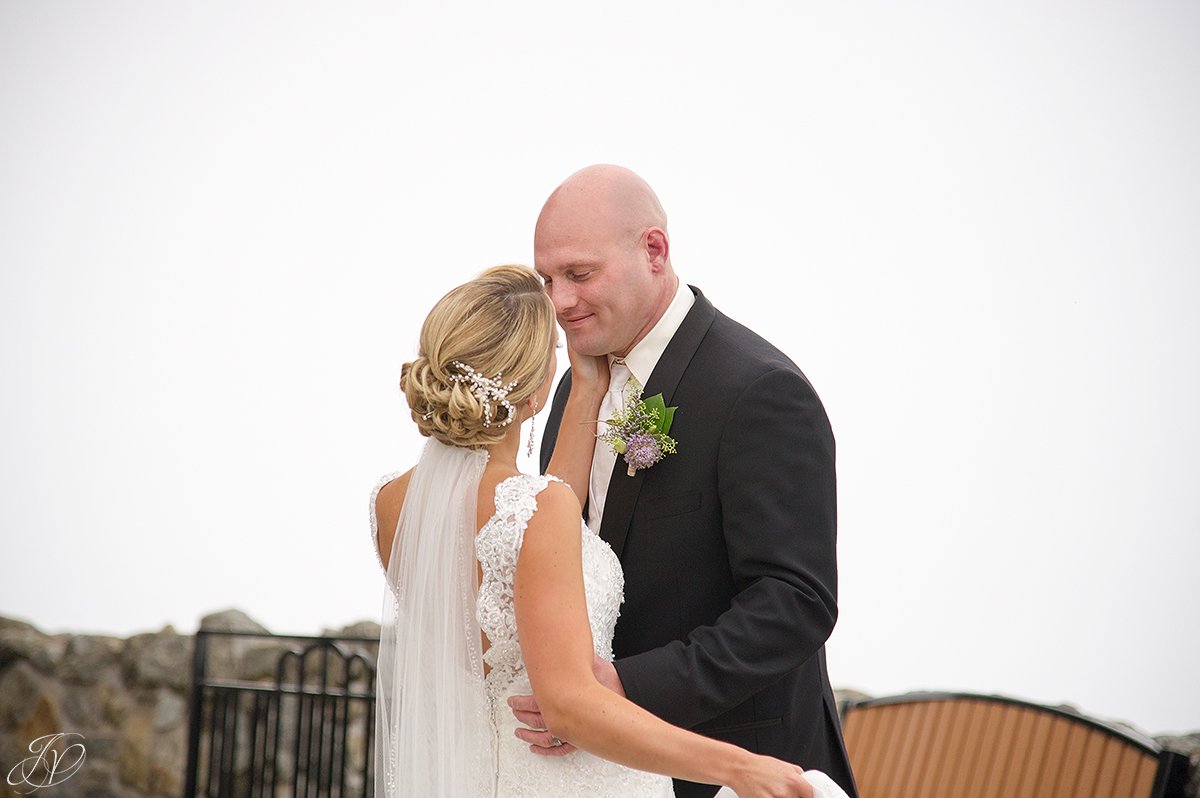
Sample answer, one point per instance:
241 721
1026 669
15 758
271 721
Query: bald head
601 246
605 198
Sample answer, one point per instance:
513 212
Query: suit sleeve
553 420
777 489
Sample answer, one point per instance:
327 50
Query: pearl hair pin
487 390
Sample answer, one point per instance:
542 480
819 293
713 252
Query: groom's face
598 273
601 287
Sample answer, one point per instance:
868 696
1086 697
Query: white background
975 227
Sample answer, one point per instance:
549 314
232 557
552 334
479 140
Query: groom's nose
562 295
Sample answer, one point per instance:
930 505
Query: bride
496 588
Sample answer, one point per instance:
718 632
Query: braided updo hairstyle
502 322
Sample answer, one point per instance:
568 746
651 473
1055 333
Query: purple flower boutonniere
639 431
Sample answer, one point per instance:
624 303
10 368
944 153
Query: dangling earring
529 448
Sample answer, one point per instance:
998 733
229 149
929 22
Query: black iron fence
275 715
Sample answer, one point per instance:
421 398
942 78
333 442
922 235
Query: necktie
604 457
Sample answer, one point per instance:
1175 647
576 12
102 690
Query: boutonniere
639 431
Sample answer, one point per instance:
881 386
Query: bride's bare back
390 502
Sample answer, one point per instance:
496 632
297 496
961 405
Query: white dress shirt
639 363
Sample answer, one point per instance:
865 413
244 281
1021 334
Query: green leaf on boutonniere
663 415
655 403
664 422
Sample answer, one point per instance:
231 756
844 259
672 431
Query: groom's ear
658 248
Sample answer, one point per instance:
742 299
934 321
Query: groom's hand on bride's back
526 710
540 740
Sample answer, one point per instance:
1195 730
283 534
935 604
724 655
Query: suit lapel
623 489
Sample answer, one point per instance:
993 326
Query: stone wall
128 698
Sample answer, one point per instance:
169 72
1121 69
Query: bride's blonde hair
502 322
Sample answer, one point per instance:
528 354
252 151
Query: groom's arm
777 489
554 420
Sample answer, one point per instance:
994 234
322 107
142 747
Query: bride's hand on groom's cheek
588 369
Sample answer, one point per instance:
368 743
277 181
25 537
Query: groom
728 546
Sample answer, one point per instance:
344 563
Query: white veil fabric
433 734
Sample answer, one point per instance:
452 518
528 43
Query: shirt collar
642 359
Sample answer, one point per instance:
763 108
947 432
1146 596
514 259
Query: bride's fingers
588 367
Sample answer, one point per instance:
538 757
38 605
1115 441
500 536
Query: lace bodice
497 547
521 774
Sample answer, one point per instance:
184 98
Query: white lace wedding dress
519 773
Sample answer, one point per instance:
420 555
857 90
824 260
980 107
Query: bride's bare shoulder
557 509
391 495
388 502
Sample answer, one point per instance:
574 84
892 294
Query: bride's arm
572 458
556 643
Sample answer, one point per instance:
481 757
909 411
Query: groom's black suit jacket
728 548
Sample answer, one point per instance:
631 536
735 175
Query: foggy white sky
975 229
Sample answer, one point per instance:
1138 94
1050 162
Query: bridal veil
433 729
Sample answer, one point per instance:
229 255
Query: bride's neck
504 451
